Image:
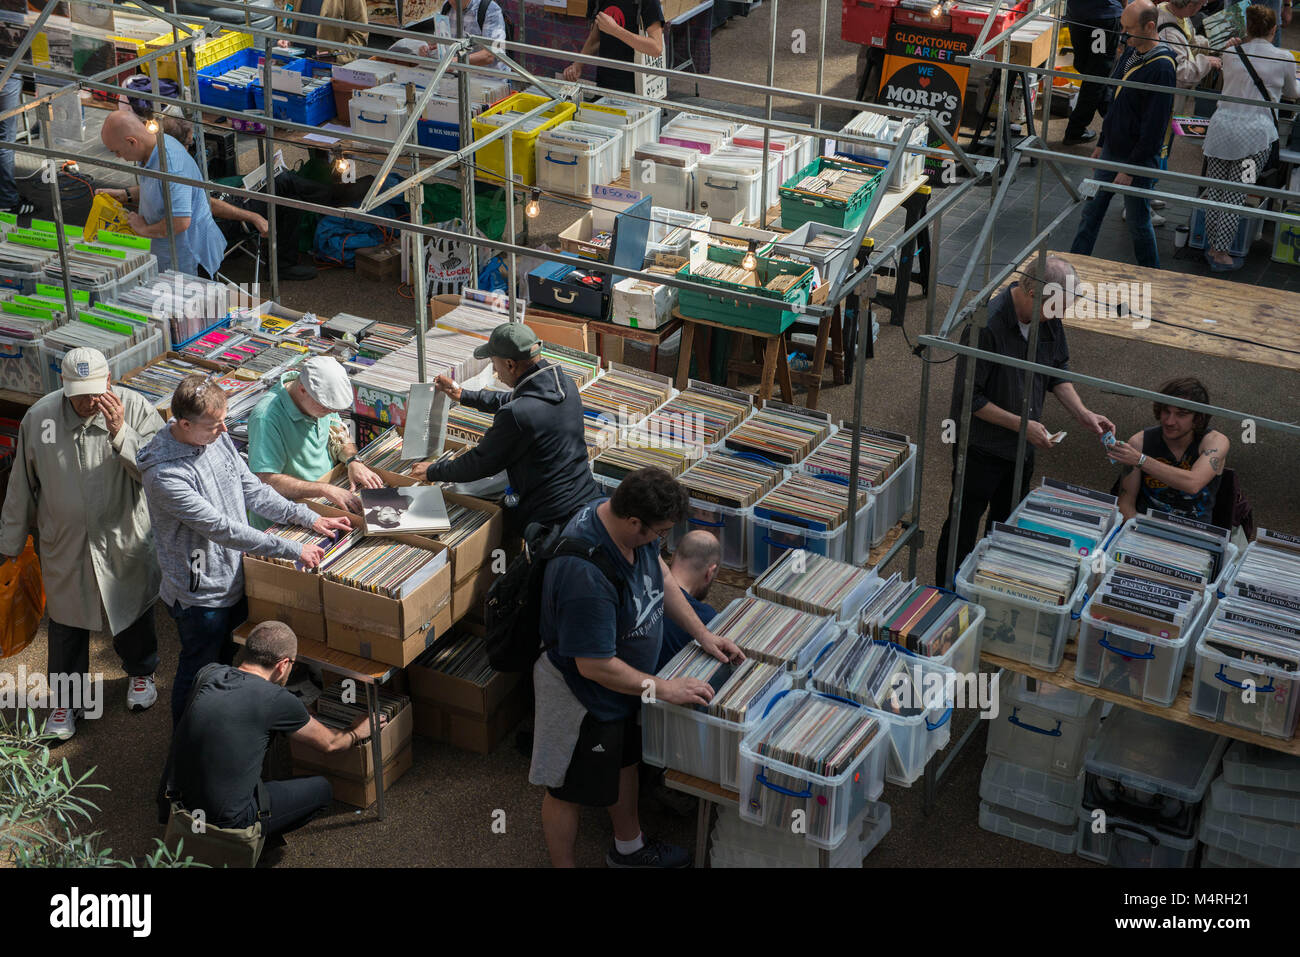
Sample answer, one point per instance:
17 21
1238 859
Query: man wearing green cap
536 435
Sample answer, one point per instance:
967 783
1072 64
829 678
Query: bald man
200 246
695 565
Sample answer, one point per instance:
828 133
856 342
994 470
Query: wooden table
775 366
610 338
1178 711
368 673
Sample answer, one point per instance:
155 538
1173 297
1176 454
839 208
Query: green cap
510 340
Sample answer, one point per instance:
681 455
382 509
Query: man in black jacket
1133 132
998 397
536 434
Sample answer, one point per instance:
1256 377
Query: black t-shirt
221 742
638 15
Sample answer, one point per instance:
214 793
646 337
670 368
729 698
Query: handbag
1273 165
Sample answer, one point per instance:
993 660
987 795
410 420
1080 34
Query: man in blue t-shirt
695 565
602 651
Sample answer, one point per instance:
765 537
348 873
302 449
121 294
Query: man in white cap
75 480
295 436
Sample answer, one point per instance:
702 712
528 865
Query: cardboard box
642 305
472 592
1031 44
462 728
675 8
389 630
575 238
576 8
357 763
276 593
360 794
380 263
559 329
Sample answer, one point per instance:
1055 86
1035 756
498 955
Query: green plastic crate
721 308
798 208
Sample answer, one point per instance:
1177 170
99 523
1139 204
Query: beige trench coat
82 492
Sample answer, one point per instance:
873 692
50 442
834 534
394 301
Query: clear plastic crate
118 365
696 743
726 190
1217 857
963 655
891 500
737 843
730 526
1043 727
1030 791
1218 691
1062 838
21 365
573 169
1127 844
1017 628
1230 556
847 610
106 292
1252 766
772 791
1131 663
663 221
637 129
1271 845
1280 806
914 739
1151 771
770 539
811 649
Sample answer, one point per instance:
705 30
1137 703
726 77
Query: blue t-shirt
675 639
583 618
202 244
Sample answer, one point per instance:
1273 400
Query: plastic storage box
729 188
1215 857
118 366
1282 807
492 158
866 21
829 261
1062 838
665 173
663 222
737 843
892 498
799 207
639 125
699 744
375 117
1151 771
771 538
21 366
1131 663
730 526
574 157
1221 680
1017 628
801 664
1043 727
1028 791
1123 843
772 791
1266 843
1251 766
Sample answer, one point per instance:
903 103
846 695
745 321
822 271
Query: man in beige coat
75 479
353 11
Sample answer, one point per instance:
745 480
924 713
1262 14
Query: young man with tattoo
1175 466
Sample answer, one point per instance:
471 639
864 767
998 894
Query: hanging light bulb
534 207
750 262
151 124
936 11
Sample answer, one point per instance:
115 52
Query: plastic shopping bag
22 601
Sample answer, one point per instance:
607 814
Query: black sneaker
1087 136
652 854
298 272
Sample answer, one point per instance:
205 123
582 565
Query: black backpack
513 611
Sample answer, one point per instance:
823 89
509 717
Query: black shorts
603 750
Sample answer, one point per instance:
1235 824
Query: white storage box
705 135
1127 844
1272 845
729 525
795 246
911 166
1151 771
737 843
1029 791
118 365
1018 628
1129 662
442 109
639 124
1222 679
670 232
666 173
1216 857
702 745
379 118
892 498
1282 807
1062 838
393 94
729 189
363 73
795 149
574 157
642 305
748 156
1043 727
21 365
772 792
1252 766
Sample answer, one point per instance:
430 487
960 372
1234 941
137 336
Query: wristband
351 458
1143 460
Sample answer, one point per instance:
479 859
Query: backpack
513 610
482 17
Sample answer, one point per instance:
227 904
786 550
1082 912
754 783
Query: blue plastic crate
311 109
225 96
443 136
1249 229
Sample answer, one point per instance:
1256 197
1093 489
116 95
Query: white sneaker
1156 219
62 723
1157 203
141 694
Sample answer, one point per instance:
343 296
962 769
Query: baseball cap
327 382
510 340
85 372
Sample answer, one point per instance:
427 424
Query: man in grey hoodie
200 493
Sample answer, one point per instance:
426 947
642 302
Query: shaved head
695 562
125 135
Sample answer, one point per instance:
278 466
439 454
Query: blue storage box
213 92
443 136
310 109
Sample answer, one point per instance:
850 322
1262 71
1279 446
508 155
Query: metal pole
467 169
767 130
1035 318
923 408
418 277
821 72
160 141
26 42
57 201
273 254
512 262
959 472
196 115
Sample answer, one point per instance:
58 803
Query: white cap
85 372
327 382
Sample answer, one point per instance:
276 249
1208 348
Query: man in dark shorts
602 649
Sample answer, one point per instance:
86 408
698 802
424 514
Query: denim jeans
293 803
10 97
205 638
1139 218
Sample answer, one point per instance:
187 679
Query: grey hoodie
199 498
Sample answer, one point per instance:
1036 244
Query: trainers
1156 219
1156 203
141 694
1075 139
652 854
21 208
62 723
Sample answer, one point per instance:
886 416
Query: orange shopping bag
22 601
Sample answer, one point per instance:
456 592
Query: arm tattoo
1215 461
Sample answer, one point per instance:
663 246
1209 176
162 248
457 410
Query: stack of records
468 425
471 319
769 632
110 335
882 602
158 381
384 452
735 687
335 544
809 502
623 399
639 450
270 363
446 353
391 569
1027 565
702 415
1144 601
872 673
461 656
335 710
384 337
819 736
927 621
812 583
90 265
780 434
880 455
186 303
1269 571
1170 549
464 522
1082 515
582 368
722 479
15 256
345 324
